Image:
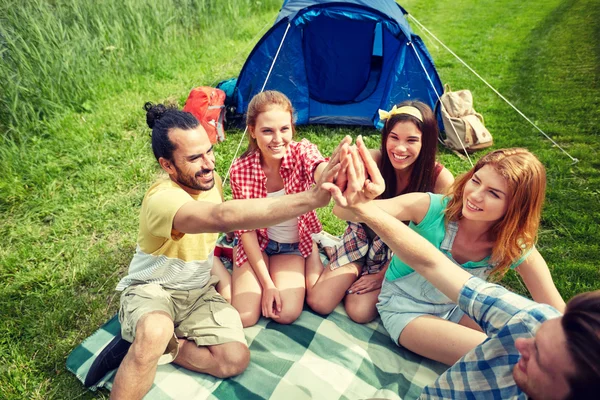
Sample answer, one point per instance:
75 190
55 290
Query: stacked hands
358 179
353 179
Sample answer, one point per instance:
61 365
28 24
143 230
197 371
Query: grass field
76 161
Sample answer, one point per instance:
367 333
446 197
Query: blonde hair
517 230
260 103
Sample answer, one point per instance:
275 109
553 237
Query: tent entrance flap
340 62
343 59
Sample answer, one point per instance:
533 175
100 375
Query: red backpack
207 104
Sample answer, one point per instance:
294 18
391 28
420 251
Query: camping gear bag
463 126
207 104
232 118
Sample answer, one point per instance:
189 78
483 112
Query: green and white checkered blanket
313 358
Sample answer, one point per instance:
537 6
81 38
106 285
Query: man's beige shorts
201 315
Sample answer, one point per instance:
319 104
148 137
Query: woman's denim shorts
276 248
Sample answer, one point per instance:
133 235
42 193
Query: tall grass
73 177
57 55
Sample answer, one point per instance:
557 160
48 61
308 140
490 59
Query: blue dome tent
339 61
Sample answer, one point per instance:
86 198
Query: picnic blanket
316 357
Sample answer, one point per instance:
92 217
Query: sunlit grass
63 55
73 177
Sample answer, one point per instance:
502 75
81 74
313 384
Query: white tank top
286 231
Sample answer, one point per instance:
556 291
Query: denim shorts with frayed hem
275 248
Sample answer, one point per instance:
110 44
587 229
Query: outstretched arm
407 207
537 278
443 182
406 244
200 217
415 251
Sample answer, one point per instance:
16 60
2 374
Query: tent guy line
442 105
261 90
575 160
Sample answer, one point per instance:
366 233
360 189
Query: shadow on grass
557 80
550 47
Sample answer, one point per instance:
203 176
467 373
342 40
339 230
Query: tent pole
441 104
275 58
261 90
493 89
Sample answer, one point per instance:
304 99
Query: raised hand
331 174
374 184
354 169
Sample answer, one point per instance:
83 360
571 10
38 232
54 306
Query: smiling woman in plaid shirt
530 350
268 277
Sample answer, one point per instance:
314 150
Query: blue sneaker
109 358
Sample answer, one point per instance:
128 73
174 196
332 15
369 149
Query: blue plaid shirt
486 371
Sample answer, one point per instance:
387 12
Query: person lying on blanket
531 349
170 310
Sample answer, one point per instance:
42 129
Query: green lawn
76 159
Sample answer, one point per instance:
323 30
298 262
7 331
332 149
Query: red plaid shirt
248 181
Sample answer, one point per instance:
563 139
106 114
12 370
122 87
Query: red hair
517 230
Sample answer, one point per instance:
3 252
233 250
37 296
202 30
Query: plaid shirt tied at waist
356 245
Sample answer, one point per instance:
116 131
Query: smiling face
193 161
403 145
545 364
486 196
273 132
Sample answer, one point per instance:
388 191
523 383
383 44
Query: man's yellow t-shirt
163 255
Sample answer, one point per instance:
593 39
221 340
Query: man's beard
192 182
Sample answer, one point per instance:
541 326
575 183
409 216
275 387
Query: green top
433 228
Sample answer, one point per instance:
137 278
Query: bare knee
361 315
289 315
361 308
152 335
249 318
325 296
232 359
320 302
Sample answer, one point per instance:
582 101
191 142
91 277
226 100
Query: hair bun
154 113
